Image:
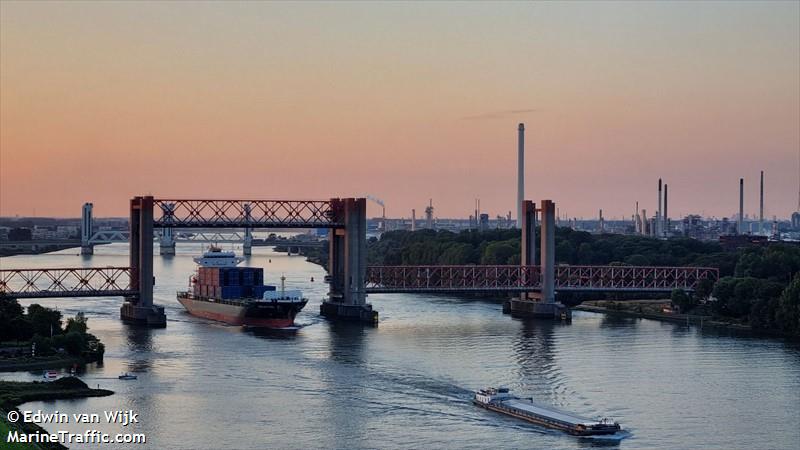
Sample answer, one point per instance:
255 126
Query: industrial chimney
666 213
740 222
761 207
659 215
520 172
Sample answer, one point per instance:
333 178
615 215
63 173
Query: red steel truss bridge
244 213
116 281
66 282
397 279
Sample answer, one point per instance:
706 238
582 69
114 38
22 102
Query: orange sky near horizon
404 101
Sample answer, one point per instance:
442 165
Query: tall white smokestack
666 212
520 172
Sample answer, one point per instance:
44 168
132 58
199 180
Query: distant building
796 221
483 223
20 234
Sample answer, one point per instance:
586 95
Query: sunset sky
404 101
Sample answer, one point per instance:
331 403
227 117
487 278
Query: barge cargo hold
499 400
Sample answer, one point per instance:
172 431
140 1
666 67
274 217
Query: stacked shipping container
230 282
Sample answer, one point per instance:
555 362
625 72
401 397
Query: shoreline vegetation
660 310
44 363
35 339
15 393
758 289
39 250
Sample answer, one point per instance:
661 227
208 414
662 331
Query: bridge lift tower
86 229
542 303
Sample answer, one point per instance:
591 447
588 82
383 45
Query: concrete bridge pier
247 246
540 304
86 229
166 245
140 309
347 264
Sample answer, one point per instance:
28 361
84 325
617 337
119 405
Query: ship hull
249 314
545 421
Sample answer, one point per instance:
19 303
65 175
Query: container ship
237 295
500 400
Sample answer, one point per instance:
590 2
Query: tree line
758 285
45 328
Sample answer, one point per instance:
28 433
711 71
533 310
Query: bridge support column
528 238
167 243
543 304
247 246
86 230
347 263
140 309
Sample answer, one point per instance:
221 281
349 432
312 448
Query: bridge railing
452 278
66 282
243 213
528 278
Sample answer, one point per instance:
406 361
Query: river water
407 383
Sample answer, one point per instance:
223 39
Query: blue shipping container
231 292
258 291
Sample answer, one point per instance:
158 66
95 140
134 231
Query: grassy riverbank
657 310
14 393
28 363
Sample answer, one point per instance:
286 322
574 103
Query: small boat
127 376
500 400
50 375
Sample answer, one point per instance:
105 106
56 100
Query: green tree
499 253
10 317
683 300
44 321
704 288
788 308
78 324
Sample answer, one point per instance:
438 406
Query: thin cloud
500 114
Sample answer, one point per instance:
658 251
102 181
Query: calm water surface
408 382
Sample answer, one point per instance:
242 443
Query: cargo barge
500 400
237 295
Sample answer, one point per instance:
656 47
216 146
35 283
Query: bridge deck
117 281
67 282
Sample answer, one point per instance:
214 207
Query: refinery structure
739 227
658 225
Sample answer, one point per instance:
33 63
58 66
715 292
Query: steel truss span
387 279
452 278
244 214
632 278
67 282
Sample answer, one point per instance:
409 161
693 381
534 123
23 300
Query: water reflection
344 383
140 344
618 321
534 351
346 342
